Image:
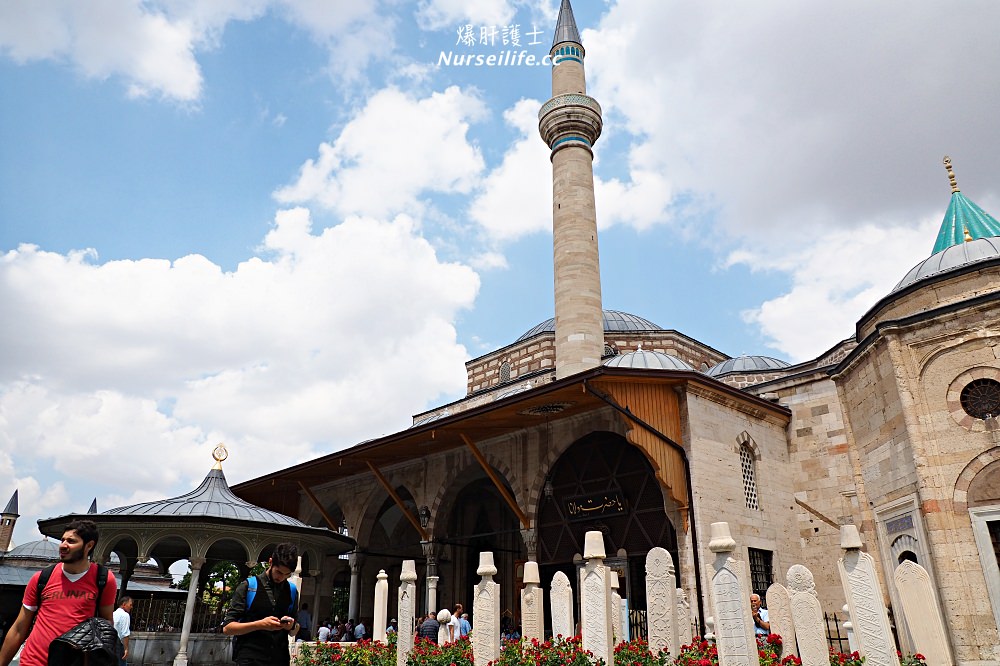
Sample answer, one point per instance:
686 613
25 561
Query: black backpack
93 642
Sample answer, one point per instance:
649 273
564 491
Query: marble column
381 607
182 656
356 561
430 555
530 538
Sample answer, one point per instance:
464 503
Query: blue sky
282 225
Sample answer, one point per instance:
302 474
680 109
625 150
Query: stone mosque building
603 420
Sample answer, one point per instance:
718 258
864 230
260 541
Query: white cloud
834 282
138 368
395 149
438 14
153 45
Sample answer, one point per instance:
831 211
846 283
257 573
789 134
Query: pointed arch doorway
601 482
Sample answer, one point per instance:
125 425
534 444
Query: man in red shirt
68 599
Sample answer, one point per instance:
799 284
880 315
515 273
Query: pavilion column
196 564
430 555
318 580
356 560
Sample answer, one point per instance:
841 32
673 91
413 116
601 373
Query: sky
285 225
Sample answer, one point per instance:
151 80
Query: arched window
749 466
505 372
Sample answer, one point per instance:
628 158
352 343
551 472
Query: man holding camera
263 625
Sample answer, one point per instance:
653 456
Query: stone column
381 614
734 623
532 604
661 602
356 561
318 579
486 613
407 608
430 555
864 597
182 656
561 600
595 600
530 538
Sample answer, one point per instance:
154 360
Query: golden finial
951 175
219 453
968 236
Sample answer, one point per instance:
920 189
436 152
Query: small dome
614 321
652 360
956 256
43 549
746 364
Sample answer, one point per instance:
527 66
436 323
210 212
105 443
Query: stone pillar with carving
486 613
734 632
381 607
661 602
406 611
430 556
595 600
532 604
864 597
561 603
182 653
683 620
922 613
810 627
617 636
356 561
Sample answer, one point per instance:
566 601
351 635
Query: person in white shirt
455 624
323 635
123 621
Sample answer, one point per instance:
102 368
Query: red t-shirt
65 604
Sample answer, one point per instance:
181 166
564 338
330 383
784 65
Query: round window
981 398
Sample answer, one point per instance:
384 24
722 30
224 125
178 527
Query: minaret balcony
571 119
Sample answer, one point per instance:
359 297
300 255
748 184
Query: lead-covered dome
951 258
43 549
613 320
746 365
651 360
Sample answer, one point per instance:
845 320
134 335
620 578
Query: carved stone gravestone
381 606
532 604
810 628
734 634
595 600
864 596
561 602
662 619
683 620
616 610
407 607
922 613
443 618
779 615
486 611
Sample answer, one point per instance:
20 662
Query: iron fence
167 616
836 635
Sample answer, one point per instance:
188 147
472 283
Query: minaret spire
570 124
8 518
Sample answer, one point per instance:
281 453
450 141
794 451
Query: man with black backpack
262 610
60 597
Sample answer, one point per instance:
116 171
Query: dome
212 499
43 549
650 360
955 256
614 321
746 364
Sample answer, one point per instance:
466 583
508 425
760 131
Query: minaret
570 123
7 521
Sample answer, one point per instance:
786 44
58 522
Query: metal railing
167 616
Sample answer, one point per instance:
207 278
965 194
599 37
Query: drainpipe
687 473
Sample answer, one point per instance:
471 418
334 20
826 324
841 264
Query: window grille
761 572
505 372
749 477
